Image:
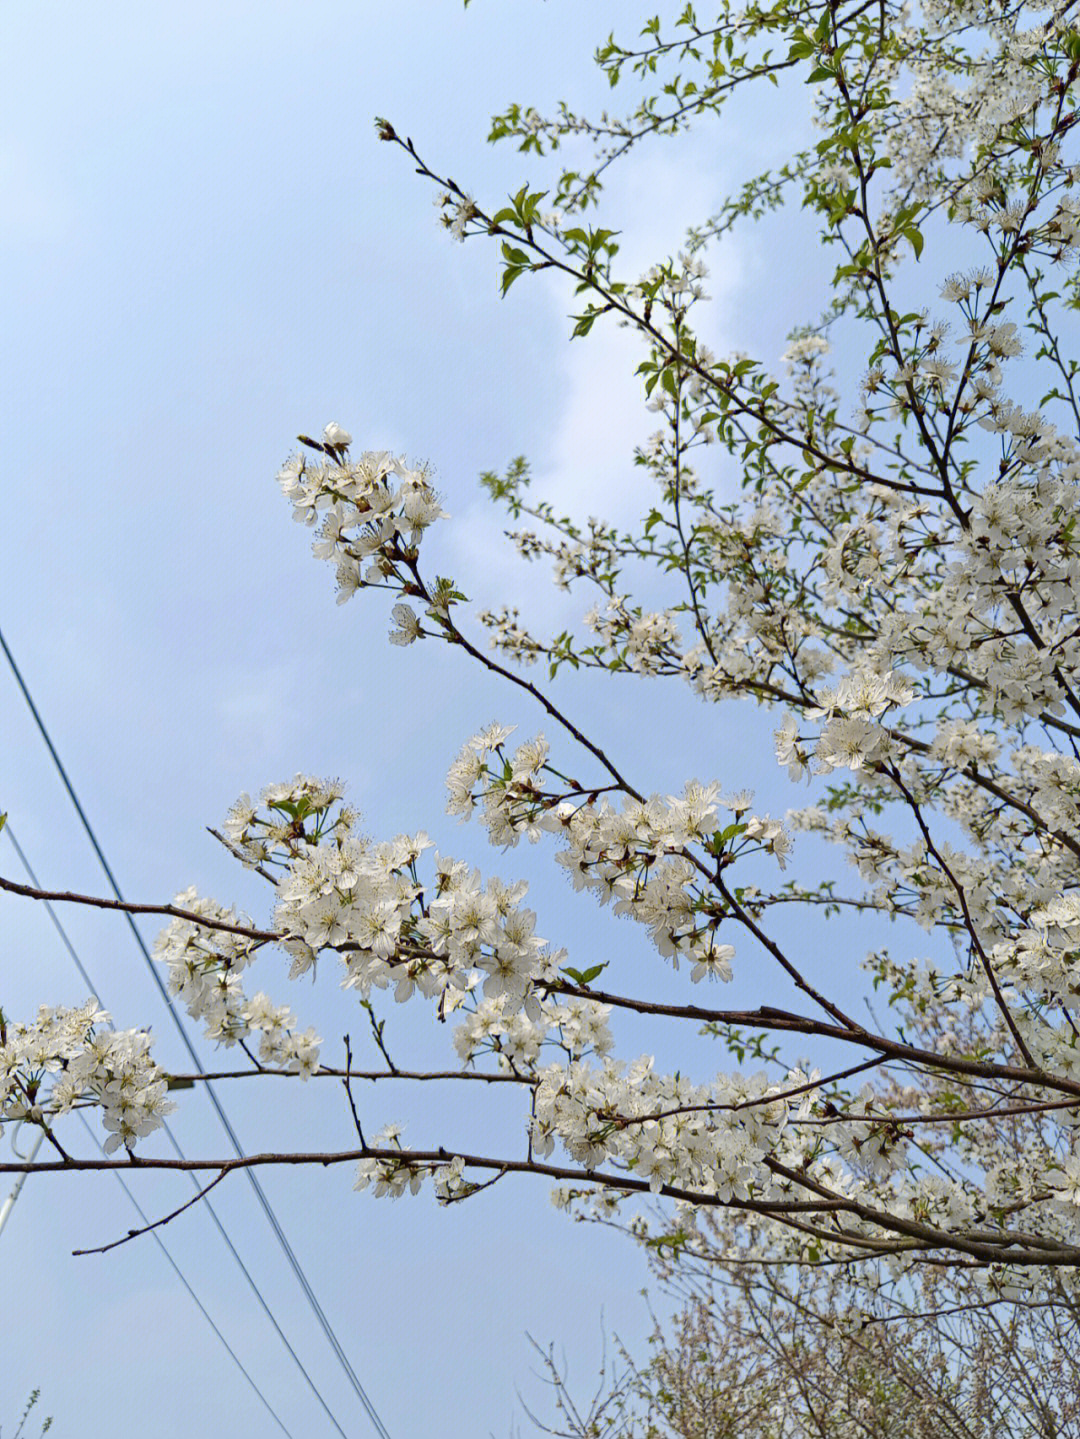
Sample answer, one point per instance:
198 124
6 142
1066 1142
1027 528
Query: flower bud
335 438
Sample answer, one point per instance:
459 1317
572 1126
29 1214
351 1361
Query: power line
92 989
223 1119
180 1275
178 1151
168 1129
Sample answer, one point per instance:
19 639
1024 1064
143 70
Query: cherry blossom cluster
69 1057
204 973
372 512
853 735
709 1139
924 552
637 859
458 941
392 1177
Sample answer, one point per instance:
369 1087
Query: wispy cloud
587 467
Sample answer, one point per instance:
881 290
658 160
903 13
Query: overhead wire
183 1280
93 990
211 1093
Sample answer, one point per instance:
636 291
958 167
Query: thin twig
377 1027
238 853
157 1224
346 1080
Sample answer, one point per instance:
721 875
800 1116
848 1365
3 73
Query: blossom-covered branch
885 555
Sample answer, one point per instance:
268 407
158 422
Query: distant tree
827 1352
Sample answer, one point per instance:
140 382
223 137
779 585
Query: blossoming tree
816 1353
895 580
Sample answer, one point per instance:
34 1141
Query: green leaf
583 977
510 274
914 237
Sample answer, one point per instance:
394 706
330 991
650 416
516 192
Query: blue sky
207 251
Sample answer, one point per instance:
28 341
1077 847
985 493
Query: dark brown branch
990 1246
765 1017
325 1072
238 853
987 1246
262 936
420 1159
765 1099
454 636
347 1078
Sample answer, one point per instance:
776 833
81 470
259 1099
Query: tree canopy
883 555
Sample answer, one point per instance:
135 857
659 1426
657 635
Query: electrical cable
93 990
180 1275
211 1093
